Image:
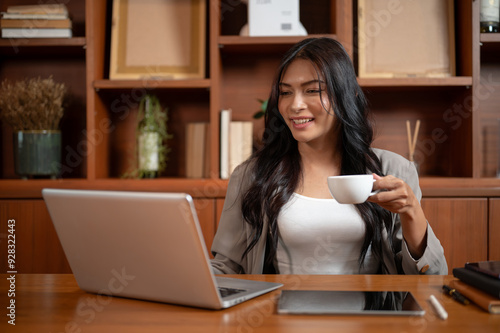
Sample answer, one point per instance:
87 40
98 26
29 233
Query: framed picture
406 38
159 39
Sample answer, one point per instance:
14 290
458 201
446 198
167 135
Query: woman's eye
314 91
284 93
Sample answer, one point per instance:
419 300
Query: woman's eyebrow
304 83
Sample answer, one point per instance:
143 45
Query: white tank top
321 236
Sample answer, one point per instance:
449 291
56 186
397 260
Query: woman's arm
417 249
233 233
398 197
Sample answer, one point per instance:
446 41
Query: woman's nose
298 103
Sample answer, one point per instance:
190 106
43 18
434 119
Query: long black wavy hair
276 167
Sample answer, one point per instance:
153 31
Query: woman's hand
397 197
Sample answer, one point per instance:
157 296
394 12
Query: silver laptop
142 245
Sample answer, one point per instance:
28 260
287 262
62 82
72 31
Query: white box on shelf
274 18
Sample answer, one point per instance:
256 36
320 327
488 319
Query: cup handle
374 192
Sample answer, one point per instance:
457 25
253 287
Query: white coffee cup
351 189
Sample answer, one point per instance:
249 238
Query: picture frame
406 39
149 41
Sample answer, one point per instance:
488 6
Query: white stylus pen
441 312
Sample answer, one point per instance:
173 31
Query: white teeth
301 121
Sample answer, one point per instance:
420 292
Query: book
235 130
485 301
53 8
225 121
196 149
41 24
36 33
37 12
34 16
207 152
241 143
247 138
491 268
190 150
481 281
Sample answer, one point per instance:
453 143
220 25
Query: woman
279 216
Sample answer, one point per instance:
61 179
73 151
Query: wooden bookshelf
239 72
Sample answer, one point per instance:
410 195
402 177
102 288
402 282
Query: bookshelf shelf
286 40
42 42
29 189
490 38
44 47
198 188
246 44
490 44
151 84
417 82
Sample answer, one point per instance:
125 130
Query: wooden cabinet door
461 225
494 230
205 208
37 247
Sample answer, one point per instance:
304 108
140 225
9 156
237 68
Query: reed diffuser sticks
412 140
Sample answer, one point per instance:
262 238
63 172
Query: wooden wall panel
494 229
461 225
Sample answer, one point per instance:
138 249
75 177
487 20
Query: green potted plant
34 108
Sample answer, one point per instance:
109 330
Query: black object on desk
481 281
455 295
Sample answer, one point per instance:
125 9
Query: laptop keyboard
224 291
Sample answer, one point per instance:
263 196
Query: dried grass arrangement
32 104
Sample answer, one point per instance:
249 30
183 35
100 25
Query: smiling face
303 103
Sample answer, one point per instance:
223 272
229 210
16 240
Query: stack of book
480 283
236 143
36 21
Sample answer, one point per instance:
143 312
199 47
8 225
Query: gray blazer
234 234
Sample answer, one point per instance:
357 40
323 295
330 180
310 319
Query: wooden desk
54 303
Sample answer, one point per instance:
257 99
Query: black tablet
399 303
